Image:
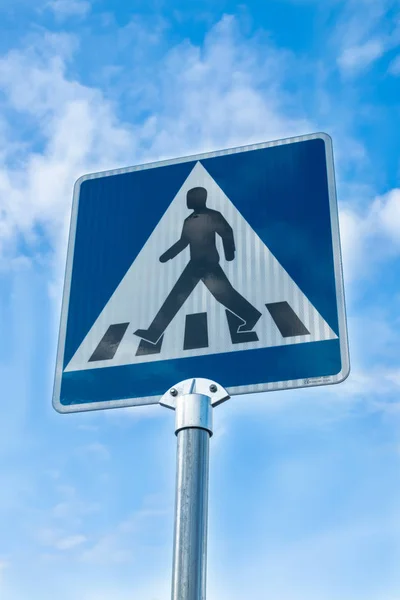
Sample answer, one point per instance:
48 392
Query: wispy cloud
56 538
357 58
96 449
72 511
37 189
365 32
69 542
64 9
322 565
226 93
202 107
372 232
118 545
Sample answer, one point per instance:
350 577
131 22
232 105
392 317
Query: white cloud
352 236
69 542
92 428
78 131
385 214
48 535
226 93
71 511
203 107
97 449
121 543
109 549
69 8
363 383
371 235
323 564
358 57
365 31
69 491
57 539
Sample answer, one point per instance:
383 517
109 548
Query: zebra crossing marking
196 332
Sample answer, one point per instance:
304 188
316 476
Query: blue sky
305 485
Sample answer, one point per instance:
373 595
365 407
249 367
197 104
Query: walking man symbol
199 233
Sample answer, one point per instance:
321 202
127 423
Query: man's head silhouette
196 198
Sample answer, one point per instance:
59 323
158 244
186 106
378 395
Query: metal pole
193 401
190 538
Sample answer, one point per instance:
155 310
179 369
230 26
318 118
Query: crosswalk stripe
241 336
109 342
286 319
147 348
196 331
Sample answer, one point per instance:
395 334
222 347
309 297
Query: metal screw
173 392
213 388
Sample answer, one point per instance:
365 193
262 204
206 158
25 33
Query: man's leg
222 290
176 298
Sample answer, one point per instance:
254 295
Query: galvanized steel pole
193 428
190 538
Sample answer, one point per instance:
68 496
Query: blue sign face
224 266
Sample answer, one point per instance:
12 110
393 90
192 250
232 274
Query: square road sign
223 265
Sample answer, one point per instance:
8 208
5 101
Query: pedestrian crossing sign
223 265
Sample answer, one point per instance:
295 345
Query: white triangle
255 274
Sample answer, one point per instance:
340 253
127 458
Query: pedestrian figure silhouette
199 233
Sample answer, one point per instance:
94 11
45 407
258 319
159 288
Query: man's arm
175 248
228 241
